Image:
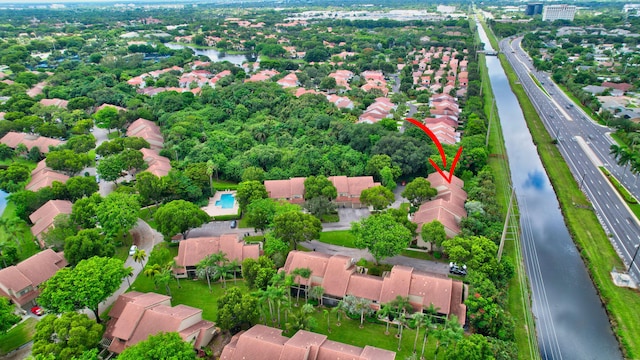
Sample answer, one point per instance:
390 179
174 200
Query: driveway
428 266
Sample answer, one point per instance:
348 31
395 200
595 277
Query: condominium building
558 12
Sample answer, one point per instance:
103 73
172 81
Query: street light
634 258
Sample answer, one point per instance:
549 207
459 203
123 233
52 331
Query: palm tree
139 256
163 278
204 269
418 320
427 326
386 313
172 265
362 306
316 293
326 314
279 297
401 323
152 271
338 310
303 273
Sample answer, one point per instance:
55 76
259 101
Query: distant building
558 12
533 9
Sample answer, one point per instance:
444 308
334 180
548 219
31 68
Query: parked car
37 310
457 270
234 224
132 249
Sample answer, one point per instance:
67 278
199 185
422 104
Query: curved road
585 146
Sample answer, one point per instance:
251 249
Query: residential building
147 130
192 251
291 190
263 342
290 80
43 176
339 276
20 283
55 102
135 316
558 12
348 189
42 219
13 139
158 165
447 207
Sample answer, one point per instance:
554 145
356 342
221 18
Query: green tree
67 161
317 293
162 346
320 206
236 309
433 232
477 252
149 187
296 227
106 118
139 256
87 243
87 285
258 273
179 216
84 212
382 235
67 336
249 191
118 213
7 317
110 168
253 173
378 162
418 191
473 347
328 83
319 186
378 196
388 180
81 186
260 213
13 178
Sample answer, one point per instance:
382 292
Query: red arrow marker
440 149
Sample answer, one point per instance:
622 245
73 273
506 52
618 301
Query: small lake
212 54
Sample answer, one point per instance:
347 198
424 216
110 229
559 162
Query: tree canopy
378 196
85 286
236 309
179 216
418 191
319 186
66 337
296 226
118 213
7 317
249 191
382 235
86 244
161 346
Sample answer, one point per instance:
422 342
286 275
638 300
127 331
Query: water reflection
535 179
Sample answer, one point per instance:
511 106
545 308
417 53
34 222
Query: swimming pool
226 201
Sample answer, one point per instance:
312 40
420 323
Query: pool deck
214 210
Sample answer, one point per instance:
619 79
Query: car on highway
37 310
457 270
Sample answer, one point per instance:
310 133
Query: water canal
571 322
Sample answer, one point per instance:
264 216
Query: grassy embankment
18 336
519 298
594 245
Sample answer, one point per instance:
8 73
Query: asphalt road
584 145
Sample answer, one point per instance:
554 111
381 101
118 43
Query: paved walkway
429 266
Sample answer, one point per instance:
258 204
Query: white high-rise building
558 12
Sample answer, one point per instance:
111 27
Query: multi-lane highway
584 145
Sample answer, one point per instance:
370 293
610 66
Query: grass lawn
18 336
222 185
339 237
243 223
146 214
594 245
28 246
423 255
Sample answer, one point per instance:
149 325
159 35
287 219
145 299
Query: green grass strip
594 245
18 336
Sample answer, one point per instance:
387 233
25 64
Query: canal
571 322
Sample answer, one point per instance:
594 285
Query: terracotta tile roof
442 214
437 180
147 130
135 316
337 275
42 176
158 165
13 139
43 218
55 102
192 251
423 289
262 342
118 108
36 89
316 261
291 190
30 273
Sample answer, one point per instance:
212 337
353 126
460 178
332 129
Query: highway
584 145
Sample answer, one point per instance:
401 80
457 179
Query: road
584 145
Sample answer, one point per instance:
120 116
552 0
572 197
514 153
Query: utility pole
506 225
634 258
582 181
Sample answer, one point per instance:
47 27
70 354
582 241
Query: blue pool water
226 201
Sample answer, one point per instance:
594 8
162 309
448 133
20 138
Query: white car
133 249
